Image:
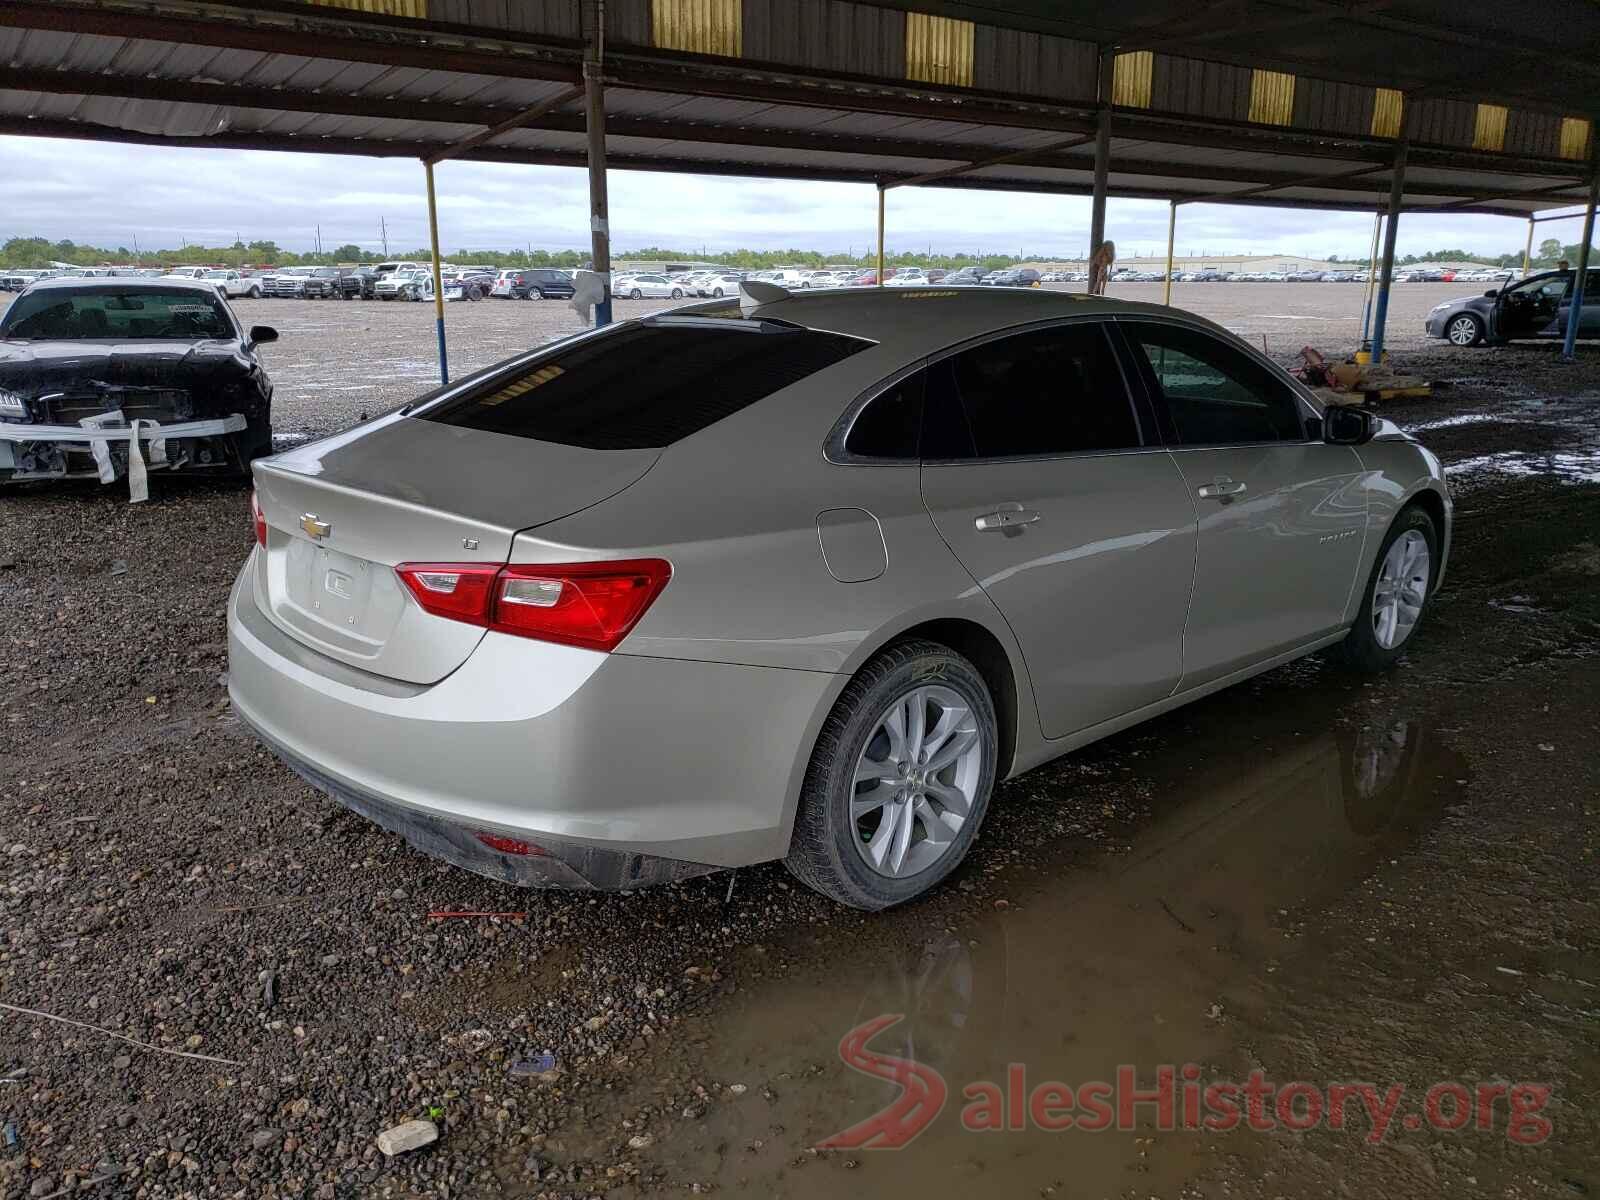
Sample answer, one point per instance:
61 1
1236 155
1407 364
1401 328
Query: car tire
636 294
1372 645
254 293
1464 329
716 293
834 841
677 293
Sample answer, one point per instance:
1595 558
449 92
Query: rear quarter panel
735 508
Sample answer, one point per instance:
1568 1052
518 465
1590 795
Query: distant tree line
26 252
1546 254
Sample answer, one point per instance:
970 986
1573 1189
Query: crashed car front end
91 431
115 409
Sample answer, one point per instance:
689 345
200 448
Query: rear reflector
593 604
260 520
511 845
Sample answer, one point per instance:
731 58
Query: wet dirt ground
1323 877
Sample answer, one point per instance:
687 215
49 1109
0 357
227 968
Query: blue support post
1397 188
1569 348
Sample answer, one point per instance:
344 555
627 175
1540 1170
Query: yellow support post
1527 250
1172 230
438 274
880 237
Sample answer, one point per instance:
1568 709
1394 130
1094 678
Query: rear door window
1045 392
643 385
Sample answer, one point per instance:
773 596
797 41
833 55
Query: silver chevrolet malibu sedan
800 577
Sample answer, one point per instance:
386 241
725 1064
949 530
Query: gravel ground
162 878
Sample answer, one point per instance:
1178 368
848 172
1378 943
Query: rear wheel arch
988 654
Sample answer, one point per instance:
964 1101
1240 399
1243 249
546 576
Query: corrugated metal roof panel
939 49
1325 104
1196 88
1489 128
1443 122
1576 134
415 9
827 35
628 22
552 18
710 130
1034 64
1537 135
713 27
1271 97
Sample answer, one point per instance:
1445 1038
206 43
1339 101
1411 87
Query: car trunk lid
341 513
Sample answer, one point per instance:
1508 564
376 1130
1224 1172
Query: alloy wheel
1402 587
1463 331
916 781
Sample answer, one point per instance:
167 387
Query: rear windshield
51 314
644 386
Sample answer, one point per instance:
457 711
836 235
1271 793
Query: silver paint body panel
1132 595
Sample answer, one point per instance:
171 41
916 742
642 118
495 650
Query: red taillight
592 605
261 521
511 845
460 591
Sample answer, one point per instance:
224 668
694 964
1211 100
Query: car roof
121 283
926 320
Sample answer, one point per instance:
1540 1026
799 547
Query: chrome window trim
834 451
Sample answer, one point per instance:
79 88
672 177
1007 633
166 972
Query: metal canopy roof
1261 103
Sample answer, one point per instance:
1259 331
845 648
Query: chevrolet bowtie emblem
316 528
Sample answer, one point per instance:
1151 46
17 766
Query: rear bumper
638 758
553 864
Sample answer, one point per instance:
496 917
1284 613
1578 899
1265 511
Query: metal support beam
1538 195
1372 283
1000 160
1397 188
1102 152
1527 250
1569 347
438 276
1332 180
599 208
879 279
1172 232
526 117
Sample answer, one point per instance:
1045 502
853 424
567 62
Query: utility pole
383 228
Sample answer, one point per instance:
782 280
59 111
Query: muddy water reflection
1141 958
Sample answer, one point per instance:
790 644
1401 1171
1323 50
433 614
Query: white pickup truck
232 284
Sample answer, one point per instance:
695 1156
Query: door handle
1221 489
1006 518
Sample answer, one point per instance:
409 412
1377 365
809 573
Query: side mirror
1343 425
1492 293
261 334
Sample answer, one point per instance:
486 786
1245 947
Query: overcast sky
108 195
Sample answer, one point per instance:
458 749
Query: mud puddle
1581 466
1140 957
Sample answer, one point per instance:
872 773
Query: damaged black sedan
112 378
